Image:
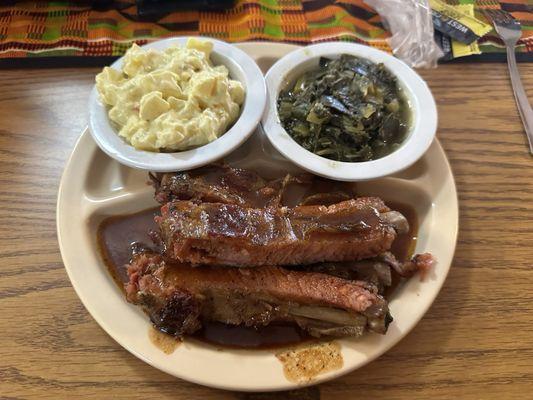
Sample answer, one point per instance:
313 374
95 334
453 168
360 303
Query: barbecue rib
377 270
217 184
227 185
231 235
179 298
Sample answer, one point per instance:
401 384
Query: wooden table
476 341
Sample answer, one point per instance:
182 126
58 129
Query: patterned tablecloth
58 28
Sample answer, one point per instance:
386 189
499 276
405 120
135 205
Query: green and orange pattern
60 28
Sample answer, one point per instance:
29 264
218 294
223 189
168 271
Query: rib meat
227 185
376 270
219 184
179 298
231 235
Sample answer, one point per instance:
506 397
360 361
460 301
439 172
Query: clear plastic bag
412 30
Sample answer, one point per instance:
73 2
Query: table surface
475 342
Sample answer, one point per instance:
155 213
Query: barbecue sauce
119 236
404 245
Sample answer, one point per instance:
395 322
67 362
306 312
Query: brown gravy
404 245
116 235
241 337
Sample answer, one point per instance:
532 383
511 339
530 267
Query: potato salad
170 100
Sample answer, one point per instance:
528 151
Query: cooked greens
349 109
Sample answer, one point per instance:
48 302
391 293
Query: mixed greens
349 109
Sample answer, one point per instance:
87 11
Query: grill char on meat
231 235
179 298
221 184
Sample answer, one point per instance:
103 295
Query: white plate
94 187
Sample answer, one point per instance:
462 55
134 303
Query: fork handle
522 102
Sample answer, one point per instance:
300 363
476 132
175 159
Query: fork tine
499 16
489 14
505 16
509 16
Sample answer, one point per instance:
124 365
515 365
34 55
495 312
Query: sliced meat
230 235
227 185
396 219
325 199
376 270
179 298
372 270
419 263
222 184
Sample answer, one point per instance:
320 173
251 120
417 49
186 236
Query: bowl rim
419 137
252 109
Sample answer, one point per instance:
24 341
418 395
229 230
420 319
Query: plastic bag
412 30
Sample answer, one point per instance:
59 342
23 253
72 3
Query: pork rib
224 184
217 184
376 270
231 235
179 298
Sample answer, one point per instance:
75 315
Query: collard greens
349 109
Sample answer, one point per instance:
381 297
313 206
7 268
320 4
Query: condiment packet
461 49
454 22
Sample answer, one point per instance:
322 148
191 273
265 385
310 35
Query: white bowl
418 138
241 67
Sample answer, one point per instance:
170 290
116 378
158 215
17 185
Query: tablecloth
60 28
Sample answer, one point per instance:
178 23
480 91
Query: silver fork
509 30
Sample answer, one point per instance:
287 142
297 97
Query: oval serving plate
94 187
